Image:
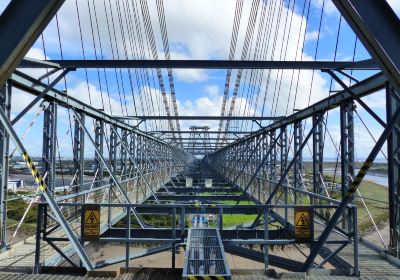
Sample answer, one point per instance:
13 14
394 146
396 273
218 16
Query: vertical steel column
355 241
272 162
266 237
139 164
50 145
298 166
123 159
173 236
258 162
284 160
265 169
36 268
252 165
5 104
221 220
393 146
49 157
112 157
99 142
79 154
347 153
318 157
132 158
128 236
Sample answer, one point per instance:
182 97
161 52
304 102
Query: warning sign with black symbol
91 222
303 225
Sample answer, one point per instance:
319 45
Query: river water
377 178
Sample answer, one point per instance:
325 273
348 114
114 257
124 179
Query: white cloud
95 99
19 100
188 75
395 4
211 90
312 35
329 7
36 53
376 100
203 28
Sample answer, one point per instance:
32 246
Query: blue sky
201 30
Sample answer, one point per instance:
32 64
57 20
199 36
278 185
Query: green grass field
375 197
230 220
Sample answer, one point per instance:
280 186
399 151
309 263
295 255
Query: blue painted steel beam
258 256
377 27
361 89
181 190
144 253
204 118
21 23
163 233
187 198
206 64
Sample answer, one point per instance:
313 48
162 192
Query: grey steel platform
205 256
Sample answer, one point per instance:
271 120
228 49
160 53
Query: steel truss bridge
143 164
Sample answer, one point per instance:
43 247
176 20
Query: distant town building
13 185
62 189
22 164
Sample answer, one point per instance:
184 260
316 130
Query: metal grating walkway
205 255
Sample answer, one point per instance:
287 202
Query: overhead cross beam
192 138
210 132
242 118
206 64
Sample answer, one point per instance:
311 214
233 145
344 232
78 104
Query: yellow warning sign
303 225
91 222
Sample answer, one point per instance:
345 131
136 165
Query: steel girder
361 89
190 131
79 155
21 23
208 118
277 261
130 256
49 157
284 154
192 138
204 64
99 141
298 165
5 104
346 153
194 197
272 162
393 148
164 233
28 84
377 27
318 155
